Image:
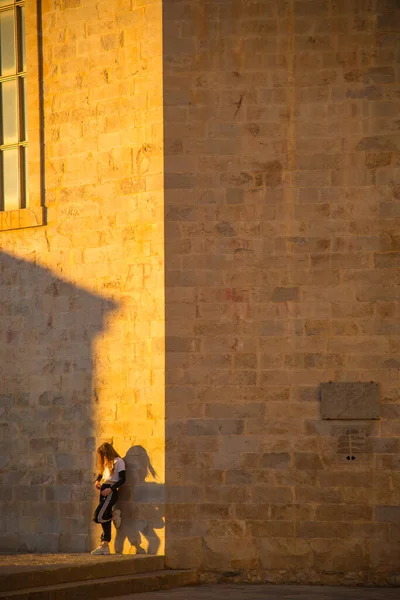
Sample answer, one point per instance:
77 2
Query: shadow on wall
142 506
47 328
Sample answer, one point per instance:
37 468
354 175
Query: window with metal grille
13 120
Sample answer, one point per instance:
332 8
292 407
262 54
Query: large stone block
350 400
387 514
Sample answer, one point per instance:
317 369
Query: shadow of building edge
47 328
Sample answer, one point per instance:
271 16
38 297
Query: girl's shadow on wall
142 506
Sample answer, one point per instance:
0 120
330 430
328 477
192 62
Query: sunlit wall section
105 180
102 181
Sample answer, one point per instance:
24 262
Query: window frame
33 213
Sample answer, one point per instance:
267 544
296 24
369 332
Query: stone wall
82 298
272 127
282 253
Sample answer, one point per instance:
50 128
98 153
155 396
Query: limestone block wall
82 300
282 253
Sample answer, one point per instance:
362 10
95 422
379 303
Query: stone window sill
21 218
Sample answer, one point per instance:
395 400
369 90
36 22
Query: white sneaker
102 550
116 517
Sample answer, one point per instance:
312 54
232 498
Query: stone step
105 587
73 568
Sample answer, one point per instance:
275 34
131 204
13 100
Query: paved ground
267 592
25 562
22 561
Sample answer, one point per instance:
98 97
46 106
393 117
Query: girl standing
111 477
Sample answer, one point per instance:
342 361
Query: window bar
18 37
21 169
1 114
1 152
25 192
21 37
21 173
1 58
18 91
21 110
25 109
1 182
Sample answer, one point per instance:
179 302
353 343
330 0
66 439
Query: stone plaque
350 400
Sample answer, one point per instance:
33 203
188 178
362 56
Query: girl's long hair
106 456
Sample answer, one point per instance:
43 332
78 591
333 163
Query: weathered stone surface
268 149
388 514
86 290
80 575
289 241
350 400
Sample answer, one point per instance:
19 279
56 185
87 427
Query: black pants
103 513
